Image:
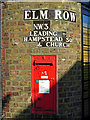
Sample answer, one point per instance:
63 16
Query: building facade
42 60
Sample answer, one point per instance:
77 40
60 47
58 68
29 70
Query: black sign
50 15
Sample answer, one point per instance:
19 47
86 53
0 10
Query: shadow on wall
5 104
69 99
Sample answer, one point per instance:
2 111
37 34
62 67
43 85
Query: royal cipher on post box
44 84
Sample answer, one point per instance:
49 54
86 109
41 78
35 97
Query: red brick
60 67
12 88
5 74
3 61
77 36
3 87
5 69
14 72
17 40
3 95
11 40
2 14
6 109
5 42
15 94
9 115
3 52
3 81
4 45
5 34
19 88
78 47
3 58
7 105
20 23
29 94
5 5
29 73
5 66
9 93
12 35
71 34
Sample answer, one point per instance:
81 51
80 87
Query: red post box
44 83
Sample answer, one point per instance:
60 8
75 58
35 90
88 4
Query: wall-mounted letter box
44 83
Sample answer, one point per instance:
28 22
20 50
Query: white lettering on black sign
49 15
41 27
41 33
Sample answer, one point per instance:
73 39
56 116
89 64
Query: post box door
44 83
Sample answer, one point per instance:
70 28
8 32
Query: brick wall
16 61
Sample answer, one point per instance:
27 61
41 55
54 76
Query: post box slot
43 64
49 110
